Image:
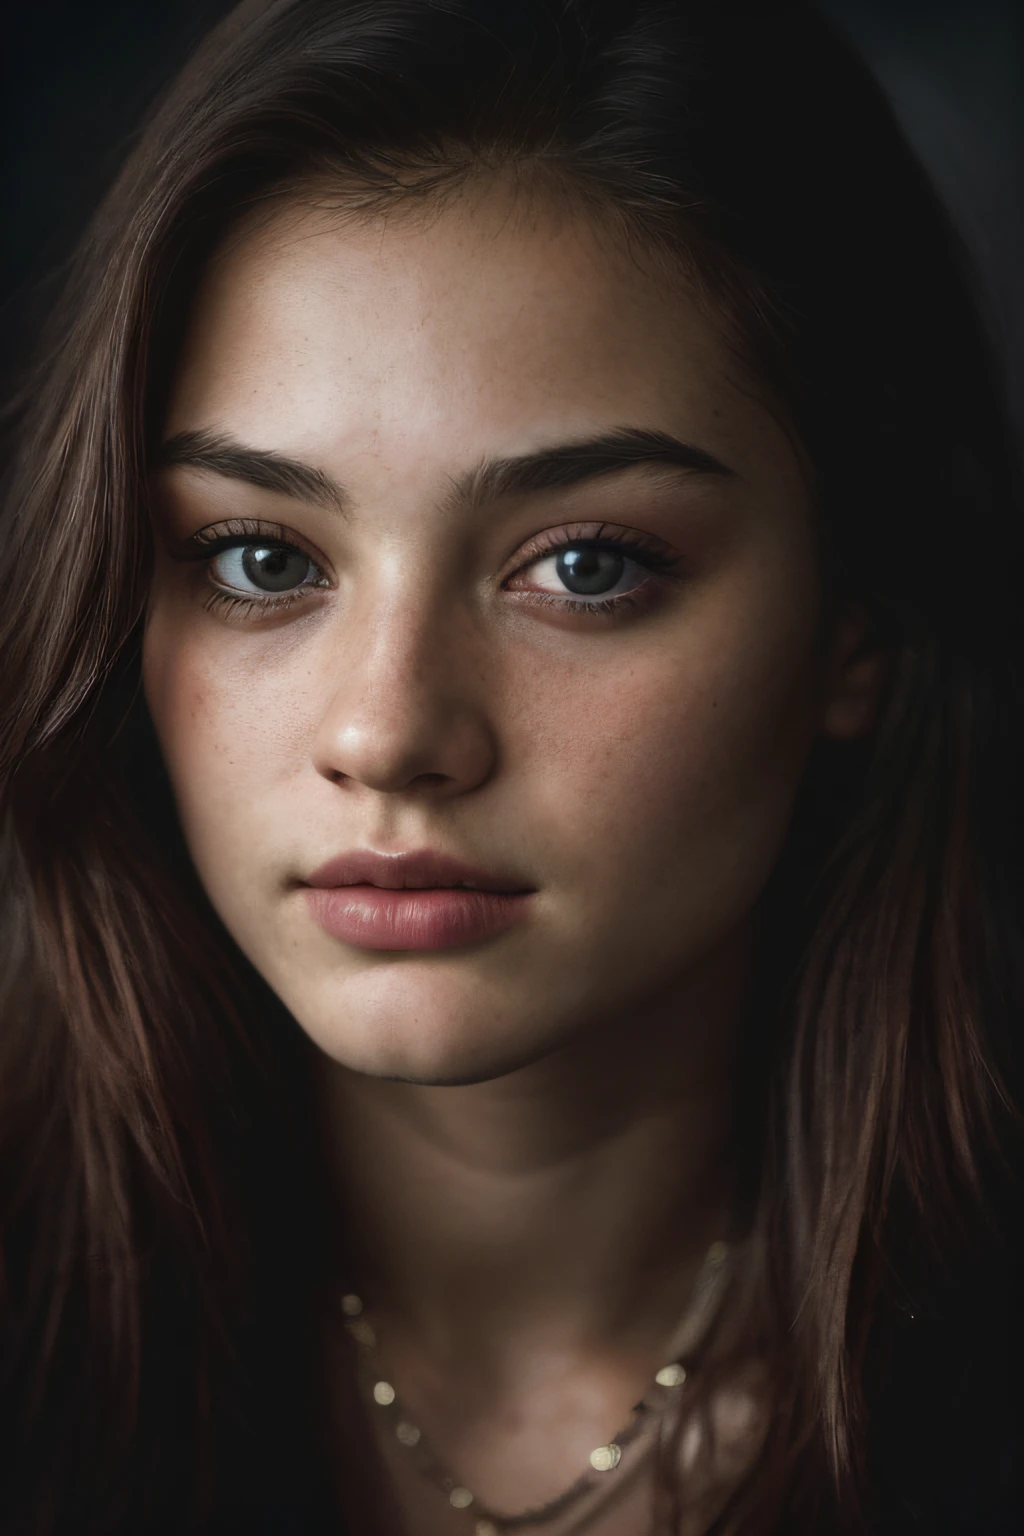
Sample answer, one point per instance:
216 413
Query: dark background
78 75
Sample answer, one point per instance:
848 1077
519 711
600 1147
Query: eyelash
646 552
237 534
652 554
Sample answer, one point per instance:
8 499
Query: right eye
263 568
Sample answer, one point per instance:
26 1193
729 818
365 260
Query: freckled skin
639 772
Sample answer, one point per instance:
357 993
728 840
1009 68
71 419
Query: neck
563 1204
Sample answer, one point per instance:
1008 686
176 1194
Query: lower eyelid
640 599
232 603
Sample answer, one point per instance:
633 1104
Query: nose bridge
419 628
404 700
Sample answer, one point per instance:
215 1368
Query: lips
412 901
409 872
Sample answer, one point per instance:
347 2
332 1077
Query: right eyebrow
260 467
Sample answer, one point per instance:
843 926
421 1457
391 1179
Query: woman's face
541 597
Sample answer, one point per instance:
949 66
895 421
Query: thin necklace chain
604 1459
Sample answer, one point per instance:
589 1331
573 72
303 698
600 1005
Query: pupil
274 568
589 571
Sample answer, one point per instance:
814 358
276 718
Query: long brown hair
145 1071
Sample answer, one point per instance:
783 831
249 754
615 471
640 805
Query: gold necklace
603 1459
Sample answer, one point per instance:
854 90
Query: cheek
226 724
668 778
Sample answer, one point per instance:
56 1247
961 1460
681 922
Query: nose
408 708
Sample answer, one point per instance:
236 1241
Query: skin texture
529 1235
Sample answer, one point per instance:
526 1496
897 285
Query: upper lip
409 871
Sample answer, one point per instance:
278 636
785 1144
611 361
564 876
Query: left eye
263 568
586 571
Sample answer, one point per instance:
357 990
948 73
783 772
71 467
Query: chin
447 1063
422 1034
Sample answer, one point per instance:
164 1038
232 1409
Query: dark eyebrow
566 464
545 469
220 454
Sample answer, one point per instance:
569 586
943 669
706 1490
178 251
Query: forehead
489 327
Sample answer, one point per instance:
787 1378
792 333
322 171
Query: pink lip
412 901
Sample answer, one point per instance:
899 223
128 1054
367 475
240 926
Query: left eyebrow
568 464
545 469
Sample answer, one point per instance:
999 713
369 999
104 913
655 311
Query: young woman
508 756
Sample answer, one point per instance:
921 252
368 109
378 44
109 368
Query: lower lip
435 918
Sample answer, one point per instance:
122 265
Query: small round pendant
606 1458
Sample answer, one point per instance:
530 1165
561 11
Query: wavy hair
147 1380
